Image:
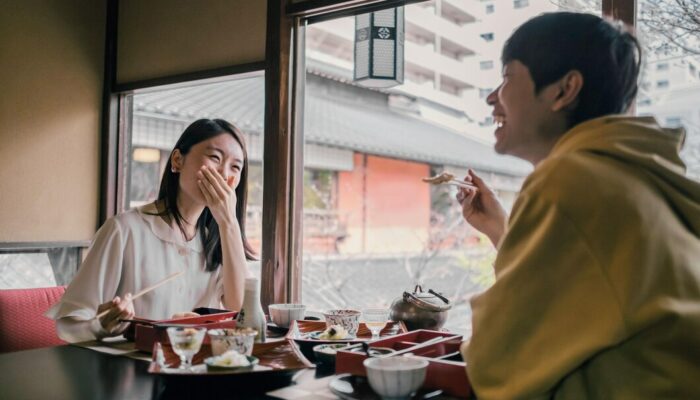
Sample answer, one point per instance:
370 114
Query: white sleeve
95 283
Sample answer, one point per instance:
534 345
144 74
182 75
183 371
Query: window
644 102
487 36
490 8
35 265
670 50
483 93
371 228
486 64
157 118
674 122
520 3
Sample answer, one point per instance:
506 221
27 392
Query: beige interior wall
51 73
158 38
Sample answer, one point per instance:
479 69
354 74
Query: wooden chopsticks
146 290
435 340
460 184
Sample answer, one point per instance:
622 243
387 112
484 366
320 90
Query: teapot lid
429 300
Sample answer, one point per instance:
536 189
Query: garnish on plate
334 332
230 358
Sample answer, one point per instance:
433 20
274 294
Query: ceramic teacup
283 314
395 378
223 340
348 319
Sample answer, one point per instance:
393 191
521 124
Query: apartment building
452 56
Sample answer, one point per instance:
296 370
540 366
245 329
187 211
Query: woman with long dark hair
195 226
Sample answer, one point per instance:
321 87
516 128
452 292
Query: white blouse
130 252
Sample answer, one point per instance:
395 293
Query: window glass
486 64
157 118
670 84
520 3
372 228
487 36
38 267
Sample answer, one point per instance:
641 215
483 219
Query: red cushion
22 321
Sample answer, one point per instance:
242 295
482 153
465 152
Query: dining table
76 373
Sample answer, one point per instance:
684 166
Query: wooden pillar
283 166
623 10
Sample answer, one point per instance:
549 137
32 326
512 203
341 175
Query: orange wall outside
396 214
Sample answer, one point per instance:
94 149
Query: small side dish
334 332
230 360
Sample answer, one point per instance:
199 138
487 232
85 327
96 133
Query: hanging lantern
379 40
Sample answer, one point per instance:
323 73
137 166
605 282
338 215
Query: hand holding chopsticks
142 292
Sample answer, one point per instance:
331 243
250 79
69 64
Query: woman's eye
215 158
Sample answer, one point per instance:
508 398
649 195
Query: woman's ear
569 87
176 160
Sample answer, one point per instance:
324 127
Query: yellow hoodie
597 292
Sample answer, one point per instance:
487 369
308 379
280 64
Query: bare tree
668 26
671 26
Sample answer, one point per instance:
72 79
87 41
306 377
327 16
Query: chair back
22 322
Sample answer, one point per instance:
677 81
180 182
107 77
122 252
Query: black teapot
421 310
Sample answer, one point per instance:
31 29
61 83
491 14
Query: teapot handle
439 296
409 297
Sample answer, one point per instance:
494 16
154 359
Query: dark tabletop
77 373
71 372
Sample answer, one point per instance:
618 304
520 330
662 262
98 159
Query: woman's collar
168 232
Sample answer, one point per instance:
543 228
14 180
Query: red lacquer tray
446 371
278 355
279 362
299 334
146 332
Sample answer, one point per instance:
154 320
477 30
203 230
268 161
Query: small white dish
283 314
212 365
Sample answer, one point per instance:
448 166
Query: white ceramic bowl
397 377
348 319
283 314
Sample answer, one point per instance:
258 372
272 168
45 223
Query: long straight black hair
199 131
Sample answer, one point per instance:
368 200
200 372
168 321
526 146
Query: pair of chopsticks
435 340
461 184
146 290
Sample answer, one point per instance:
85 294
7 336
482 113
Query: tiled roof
347 122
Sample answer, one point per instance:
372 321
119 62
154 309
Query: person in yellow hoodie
597 290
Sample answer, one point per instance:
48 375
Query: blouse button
182 252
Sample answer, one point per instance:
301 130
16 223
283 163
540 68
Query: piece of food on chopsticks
443 177
447 178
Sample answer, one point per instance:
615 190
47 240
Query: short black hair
607 55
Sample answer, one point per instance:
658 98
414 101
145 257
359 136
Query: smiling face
222 152
526 123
